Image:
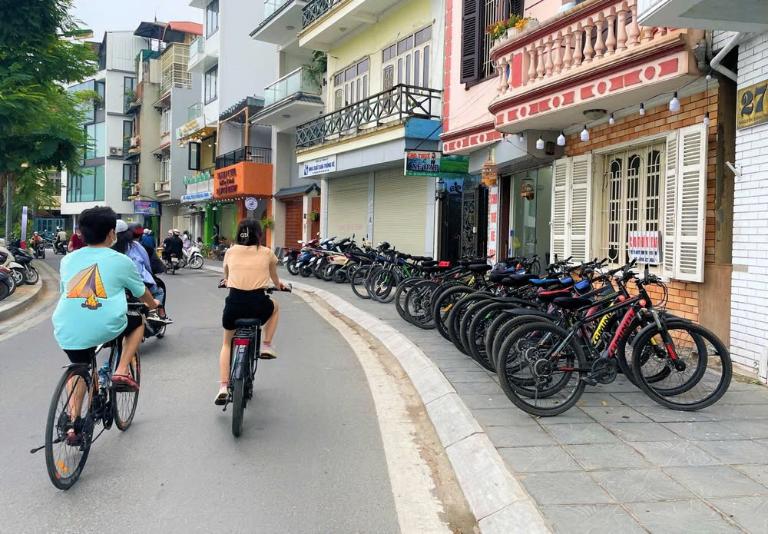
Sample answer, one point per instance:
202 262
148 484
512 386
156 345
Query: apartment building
739 44
100 179
228 170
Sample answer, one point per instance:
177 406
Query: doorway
530 205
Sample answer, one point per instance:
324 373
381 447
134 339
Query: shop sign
430 163
251 203
197 197
493 213
146 207
644 247
752 105
197 178
316 167
190 127
226 182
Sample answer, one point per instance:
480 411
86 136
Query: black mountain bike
102 403
243 361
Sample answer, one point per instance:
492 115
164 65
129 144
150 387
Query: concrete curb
11 307
498 501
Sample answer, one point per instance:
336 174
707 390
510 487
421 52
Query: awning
169 32
298 190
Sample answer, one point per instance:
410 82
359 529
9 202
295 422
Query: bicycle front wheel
691 372
124 402
65 456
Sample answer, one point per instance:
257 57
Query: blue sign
197 197
146 207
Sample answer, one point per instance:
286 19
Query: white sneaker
268 352
221 397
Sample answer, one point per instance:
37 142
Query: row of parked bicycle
15 269
547 334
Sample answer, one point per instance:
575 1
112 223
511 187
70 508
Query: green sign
429 163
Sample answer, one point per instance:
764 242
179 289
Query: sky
103 15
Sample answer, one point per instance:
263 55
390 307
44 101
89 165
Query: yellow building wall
395 24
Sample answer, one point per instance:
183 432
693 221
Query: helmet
36 233
147 231
170 232
136 228
176 231
58 228
121 226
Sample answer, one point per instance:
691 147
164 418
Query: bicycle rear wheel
418 304
124 402
444 303
358 280
238 406
65 460
696 368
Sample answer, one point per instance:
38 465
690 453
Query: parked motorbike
19 262
289 260
7 285
192 258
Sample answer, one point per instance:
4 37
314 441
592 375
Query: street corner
28 300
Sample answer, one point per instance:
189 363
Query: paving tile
620 385
538 459
597 518
640 485
581 433
503 417
634 398
740 411
736 452
487 401
564 488
660 414
716 481
677 453
574 415
750 396
758 473
755 429
678 517
467 376
641 431
751 513
598 398
606 456
519 436
478 388
615 414
701 431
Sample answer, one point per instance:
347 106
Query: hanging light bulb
561 139
584 135
642 109
709 76
520 137
540 143
611 120
706 119
674 104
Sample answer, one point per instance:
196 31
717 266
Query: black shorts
246 305
85 356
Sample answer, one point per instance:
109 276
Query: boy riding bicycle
92 308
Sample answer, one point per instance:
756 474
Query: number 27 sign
752 105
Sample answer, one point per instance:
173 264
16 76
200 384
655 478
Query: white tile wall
749 301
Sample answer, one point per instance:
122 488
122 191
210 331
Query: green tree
40 121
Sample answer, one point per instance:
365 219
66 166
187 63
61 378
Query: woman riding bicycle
248 269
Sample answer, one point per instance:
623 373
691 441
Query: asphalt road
310 458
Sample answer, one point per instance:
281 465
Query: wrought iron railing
254 154
396 104
316 9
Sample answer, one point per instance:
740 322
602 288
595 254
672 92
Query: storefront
347 206
242 190
149 212
299 215
196 203
524 214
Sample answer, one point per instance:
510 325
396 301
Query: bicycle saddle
517 280
480 268
245 323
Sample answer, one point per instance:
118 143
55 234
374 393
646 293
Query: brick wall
749 302
683 296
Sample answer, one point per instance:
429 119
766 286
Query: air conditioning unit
115 151
158 186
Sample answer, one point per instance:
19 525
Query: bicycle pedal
589 380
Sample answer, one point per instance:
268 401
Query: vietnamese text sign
318 166
644 247
146 207
430 163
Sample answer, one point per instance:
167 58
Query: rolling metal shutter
400 210
348 206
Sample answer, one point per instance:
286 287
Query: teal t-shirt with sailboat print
92 306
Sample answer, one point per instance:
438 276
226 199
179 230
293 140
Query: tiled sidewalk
617 462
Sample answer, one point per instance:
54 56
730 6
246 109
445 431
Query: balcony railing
270 6
396 104
290 84
316 9
253 154
173 68
194 111
196 49
585 37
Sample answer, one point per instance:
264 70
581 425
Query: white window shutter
691 203
557 226
670 207
579 227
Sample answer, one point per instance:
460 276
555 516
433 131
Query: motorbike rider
128 244
148 240
61 237
248 269
172 246
76 241
186 241
35 240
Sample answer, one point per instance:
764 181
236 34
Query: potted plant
267 223
314 216
317 68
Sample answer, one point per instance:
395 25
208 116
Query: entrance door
314 229
531 205
294 214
